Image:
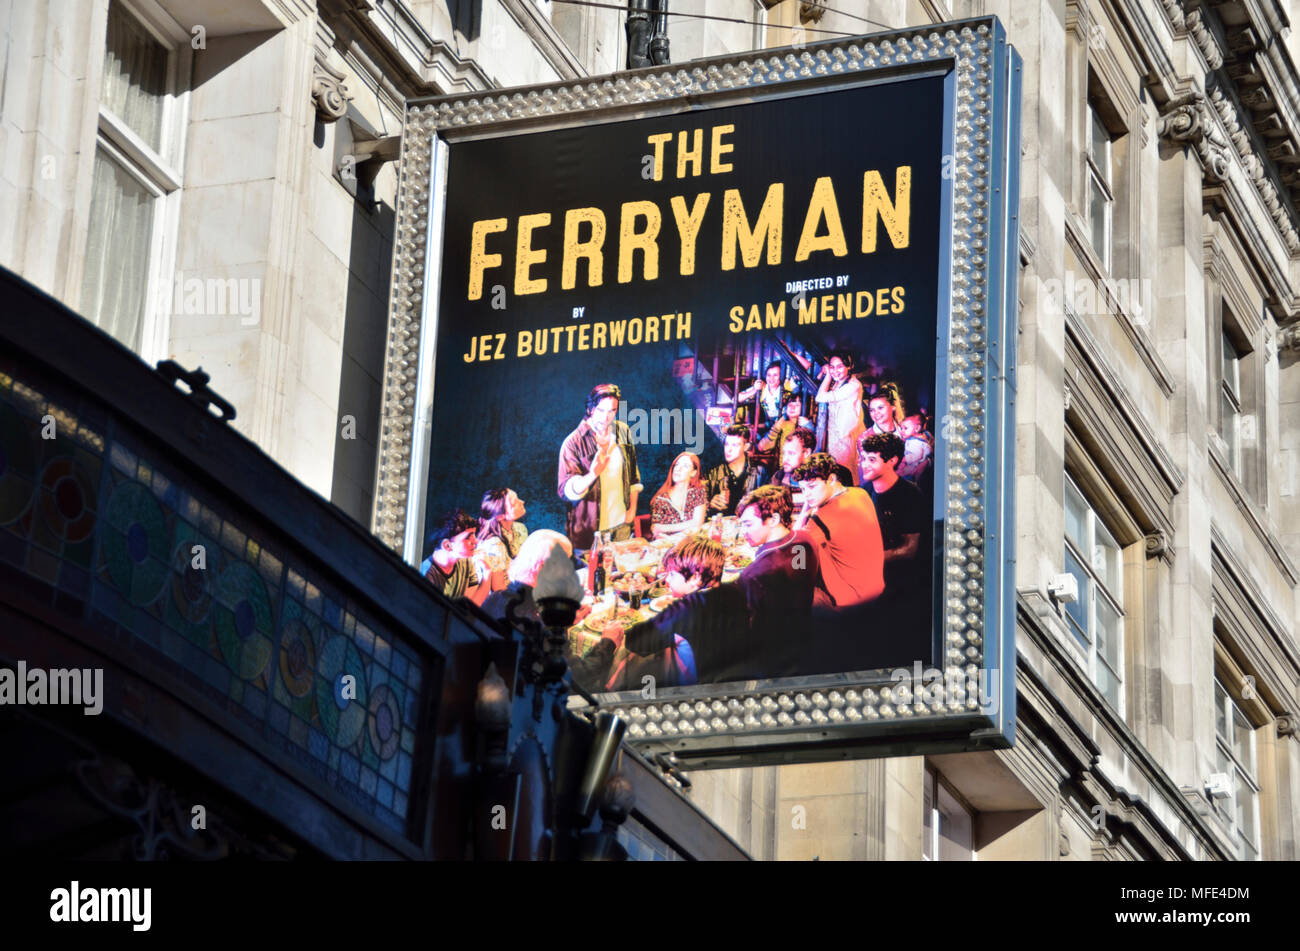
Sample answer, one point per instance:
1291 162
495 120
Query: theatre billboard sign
847 209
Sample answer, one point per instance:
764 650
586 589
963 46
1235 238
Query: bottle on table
599 578
592 555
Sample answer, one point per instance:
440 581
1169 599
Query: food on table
626 581
738 559
644 579
596 621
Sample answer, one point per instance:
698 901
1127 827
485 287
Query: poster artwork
699 351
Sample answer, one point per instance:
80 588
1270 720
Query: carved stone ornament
1157 546
328 93
1173 10
1288 339
812 11
1188 120
1187 17
1288 724
1204 39
1258 99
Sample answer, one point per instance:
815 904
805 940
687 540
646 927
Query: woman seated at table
679 504
500 535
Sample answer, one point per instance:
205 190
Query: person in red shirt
842 522
847 632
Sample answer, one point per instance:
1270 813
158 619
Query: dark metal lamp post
585 749
557 594
647 33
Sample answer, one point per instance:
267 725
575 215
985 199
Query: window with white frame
1230 422
1101 196
1235 756
1096 618
137 176
949 833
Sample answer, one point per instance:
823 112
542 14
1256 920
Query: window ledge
1258 633
1136 332
137 151
1156 459
1050 616
1224 833
1191 831
1254 517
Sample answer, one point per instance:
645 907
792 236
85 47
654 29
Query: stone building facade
214 182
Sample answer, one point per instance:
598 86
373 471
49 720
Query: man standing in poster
598 475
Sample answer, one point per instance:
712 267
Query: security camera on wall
1064 589
1218 786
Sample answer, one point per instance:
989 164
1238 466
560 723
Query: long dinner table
638 563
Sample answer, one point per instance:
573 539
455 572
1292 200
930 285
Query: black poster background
501 422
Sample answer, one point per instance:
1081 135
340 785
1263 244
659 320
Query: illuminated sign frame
970 702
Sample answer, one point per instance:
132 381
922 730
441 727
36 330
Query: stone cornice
545 38
1259 689
1187 19
396 49
1073 745
1104 414
1219 269
1143 345
1202 34
289 12
1254 517
343 27
1244 109
1077 19
1261 243
362 60
1256 61
1145 30
1174 12
1247 593
1257 172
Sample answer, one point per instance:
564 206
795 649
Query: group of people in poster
840 538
